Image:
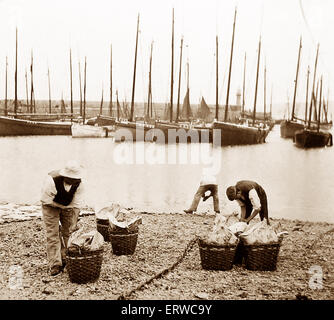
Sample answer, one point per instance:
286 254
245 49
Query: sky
51 28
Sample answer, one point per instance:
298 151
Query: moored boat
88 131
19 127
313 139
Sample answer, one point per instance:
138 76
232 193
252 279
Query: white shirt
49 191
254 199
208 179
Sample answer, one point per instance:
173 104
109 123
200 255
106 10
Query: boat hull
288 128
313 139
19 127
87 131
232 134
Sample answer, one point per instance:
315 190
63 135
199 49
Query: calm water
299 183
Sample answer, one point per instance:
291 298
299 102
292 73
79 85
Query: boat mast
230 69
32 102
264 98
243 89
101 105
296 82
6 109
312 93
149 98
26 76
49 90
217 105
271 103
134 75
84 101
178 94
71 85
80 90
15 101
117 102
319 112
172 73
307 85
110 101
257 79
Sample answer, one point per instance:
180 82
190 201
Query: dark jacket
244 187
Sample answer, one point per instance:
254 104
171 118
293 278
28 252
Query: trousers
59 224
213 188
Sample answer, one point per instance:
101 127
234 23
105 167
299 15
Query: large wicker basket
103 227
261 257
123 244
216 257
84 266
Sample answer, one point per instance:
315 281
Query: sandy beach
166 264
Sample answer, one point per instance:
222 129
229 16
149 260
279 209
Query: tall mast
319 114
110 101
296 82
49 90
271 103
71 84
6 110
117 105
26 76
307 85
84 101
178 94
312 93
15 101
264 98
32 83
230 69
134 75
243 88
257 79
149 85
101 105
172 73
80 90
217 105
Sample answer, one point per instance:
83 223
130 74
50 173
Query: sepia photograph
166 151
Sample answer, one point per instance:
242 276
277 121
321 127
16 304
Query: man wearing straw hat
61 201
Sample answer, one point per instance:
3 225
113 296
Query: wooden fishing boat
19 127
88 131
289 127
313 139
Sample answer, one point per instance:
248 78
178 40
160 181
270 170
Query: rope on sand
161 273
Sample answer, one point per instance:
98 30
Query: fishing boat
310 137
88 131
290 126
19 127
307 138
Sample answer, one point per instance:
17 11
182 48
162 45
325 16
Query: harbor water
299 183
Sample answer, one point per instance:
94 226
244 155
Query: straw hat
72 170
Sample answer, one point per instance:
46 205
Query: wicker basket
216 257
123 244
261 257
84 266
104 230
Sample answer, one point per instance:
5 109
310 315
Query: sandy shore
162 240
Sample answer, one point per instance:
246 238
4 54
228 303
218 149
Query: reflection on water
299 183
